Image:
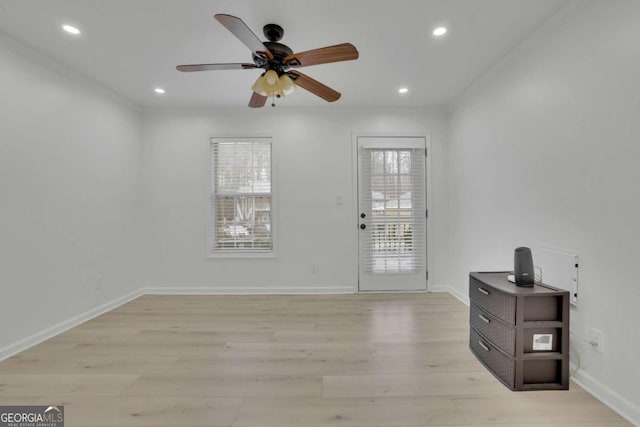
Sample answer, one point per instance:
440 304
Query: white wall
69 165
545 151
313 164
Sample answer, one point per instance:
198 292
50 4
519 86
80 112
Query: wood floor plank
409 364
426 334
91 335
450 383
15 385
378 412
133 349
153 412
312 350
87 364
226 386
258 366
190 338
208 324
423 348
440 321
50 348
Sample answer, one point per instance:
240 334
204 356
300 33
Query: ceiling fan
279 62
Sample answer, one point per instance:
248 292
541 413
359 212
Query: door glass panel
391 185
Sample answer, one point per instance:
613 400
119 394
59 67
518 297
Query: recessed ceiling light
159 90
71 29
440 31
403 90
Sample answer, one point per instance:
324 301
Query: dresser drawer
499 364
500 334
501 305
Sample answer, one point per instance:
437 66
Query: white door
392 214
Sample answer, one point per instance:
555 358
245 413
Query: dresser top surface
498 280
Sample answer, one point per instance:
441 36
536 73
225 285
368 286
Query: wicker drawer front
501 365
501 305
494 330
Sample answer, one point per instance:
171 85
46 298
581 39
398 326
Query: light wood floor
302 361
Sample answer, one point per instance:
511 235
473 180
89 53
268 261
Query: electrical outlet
99 281
315 268
597 339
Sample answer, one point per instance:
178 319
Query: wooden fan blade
257 100
239 29
323 55
314 86
214 67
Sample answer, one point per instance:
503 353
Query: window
241 198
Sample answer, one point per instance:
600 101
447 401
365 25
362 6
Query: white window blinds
241 198
393 199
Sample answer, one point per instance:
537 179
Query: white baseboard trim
39 337
247 291
457 295
606 395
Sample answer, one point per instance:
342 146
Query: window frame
211 237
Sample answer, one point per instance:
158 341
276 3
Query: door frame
354 185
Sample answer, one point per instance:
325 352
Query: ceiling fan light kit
277 60
270 85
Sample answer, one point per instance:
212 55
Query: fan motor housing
279 51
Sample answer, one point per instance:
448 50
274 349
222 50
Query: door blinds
393 201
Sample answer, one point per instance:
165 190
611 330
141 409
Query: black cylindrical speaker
523 267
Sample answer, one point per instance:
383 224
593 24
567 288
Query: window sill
242 255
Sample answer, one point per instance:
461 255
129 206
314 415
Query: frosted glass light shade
271 78
287 86
259 87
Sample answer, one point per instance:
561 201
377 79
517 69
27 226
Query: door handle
363 215
363 226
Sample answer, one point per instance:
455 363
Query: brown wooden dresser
521 334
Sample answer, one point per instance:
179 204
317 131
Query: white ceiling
133 46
